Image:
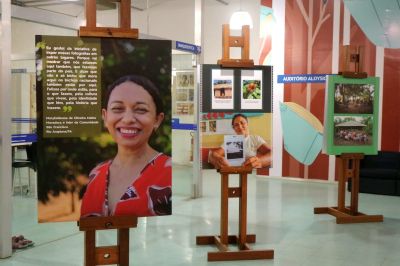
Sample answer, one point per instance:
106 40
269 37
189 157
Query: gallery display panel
226 92
73 75
236 89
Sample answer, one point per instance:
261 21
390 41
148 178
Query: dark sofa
380 174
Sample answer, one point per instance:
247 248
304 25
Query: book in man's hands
234 149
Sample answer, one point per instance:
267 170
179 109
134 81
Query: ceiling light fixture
240 18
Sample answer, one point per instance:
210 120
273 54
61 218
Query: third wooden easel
349 163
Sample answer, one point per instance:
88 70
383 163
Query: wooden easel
124 30
107 255
243 42
118 254
242 240
349 164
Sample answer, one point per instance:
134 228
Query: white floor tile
280 213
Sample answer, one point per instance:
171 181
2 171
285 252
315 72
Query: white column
336 35
335 65
197 187
278 61
346 26
5 130
379 66
198 21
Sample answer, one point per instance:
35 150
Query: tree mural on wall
267 22
312 34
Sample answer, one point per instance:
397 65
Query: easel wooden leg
349 168
243 212
123 244
90 247
224 209
242 240
355 187
342 185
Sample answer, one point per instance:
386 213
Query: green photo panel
351 115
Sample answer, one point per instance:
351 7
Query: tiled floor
280 213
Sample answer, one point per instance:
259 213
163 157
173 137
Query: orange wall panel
391 99
296 49
296 54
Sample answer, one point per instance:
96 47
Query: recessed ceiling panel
379 19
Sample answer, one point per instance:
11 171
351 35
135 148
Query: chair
30 163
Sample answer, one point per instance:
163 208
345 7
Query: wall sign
306 78
187 47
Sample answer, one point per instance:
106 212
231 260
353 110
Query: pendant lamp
240 18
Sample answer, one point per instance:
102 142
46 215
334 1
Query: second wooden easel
242 239
223 239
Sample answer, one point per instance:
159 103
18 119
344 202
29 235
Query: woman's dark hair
238 115
141 81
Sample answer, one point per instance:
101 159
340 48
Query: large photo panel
104 127
236 102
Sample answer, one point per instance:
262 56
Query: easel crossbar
234 192
241 255
106 255
232 239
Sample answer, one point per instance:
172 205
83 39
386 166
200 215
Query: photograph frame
184 79
222 89
183 96
251 85
209 72
351 115
234 149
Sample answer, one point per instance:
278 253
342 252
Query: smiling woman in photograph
137 181
256 151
